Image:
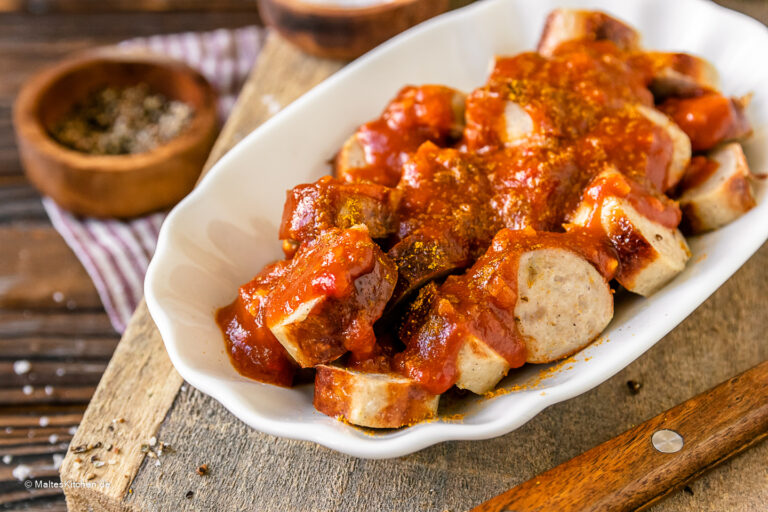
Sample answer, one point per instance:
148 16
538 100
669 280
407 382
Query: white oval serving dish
226 229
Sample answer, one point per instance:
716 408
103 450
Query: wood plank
57 347
59 446
53 373
38 269
22 421
47 395
33 494
21 436
18 324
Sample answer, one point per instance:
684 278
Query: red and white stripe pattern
116 253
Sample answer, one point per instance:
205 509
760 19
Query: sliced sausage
717 189
351 156
563 303
571 25
336 287
650 253
681 145
641 227
493 120
423 257
478 367
313 208
377 151
680 74
375 400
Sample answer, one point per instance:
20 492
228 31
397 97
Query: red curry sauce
252 348
707 119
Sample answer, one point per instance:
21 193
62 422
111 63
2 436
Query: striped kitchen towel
116 253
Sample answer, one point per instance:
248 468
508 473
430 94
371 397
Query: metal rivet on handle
667 441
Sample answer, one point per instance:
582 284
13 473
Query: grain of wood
25 495
37 449
136 391
26 323
38 270
58 347
51 373
12 436
15 421
47 394
61 435
19 202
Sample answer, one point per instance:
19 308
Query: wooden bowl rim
30 127
343 12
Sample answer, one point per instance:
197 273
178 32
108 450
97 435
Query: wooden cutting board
142 397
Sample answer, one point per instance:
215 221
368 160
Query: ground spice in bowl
120 121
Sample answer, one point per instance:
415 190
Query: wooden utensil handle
628 472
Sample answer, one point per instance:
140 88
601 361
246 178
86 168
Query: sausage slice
375 400
571 25
329 203
377 151
641 227
563 303
478 367
336 287
717 189
681 145
680 74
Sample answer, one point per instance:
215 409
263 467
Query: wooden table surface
50 314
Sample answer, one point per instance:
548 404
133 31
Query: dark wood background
50 314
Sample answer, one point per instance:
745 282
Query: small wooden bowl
345 32
113 185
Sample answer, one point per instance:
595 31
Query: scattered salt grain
7 459
60 372
27 390
21 367
58 297
49 390
44 421
57 460
273 106
21 472
53 439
